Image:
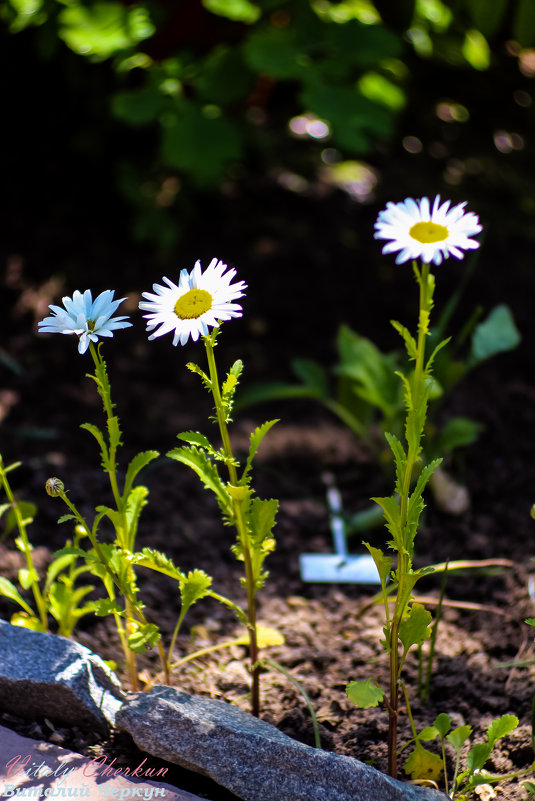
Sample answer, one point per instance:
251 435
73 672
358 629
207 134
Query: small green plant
199 301
364 392
114 562
60 596
416 230
424 764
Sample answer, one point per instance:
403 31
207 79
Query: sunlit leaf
238 10
8 590
194 586
501 727
266 637
476 50
415 628
364 694
102 29
423 764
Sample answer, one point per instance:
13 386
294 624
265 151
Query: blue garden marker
339 566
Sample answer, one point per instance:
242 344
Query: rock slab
250 757
43 675
34 769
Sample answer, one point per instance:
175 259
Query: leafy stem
25 543
222 414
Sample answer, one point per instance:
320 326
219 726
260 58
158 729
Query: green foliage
364 694
497 334
194 586
369 397
101 30
422 762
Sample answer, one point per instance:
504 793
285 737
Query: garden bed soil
331 632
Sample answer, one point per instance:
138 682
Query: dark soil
331 632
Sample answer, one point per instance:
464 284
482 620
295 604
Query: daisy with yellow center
429 233
199 301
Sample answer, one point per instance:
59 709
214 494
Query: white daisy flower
87 318
198 301
429 234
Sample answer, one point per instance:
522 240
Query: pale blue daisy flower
199 301
431 234
87 318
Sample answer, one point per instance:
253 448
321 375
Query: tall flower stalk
429 233
200 301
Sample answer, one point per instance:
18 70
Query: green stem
27 548
240 526
404 561
105 394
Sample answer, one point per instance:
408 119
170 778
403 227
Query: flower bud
54 487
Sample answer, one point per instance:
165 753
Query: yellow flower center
427 232
193 304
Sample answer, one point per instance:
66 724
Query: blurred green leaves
103 29
224 85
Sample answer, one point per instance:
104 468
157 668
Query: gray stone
50 676
250 757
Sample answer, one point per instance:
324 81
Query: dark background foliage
142 136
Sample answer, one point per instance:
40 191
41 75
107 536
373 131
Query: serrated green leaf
136 500
229 387
410 342
65 518
194 368
414 629
423 764
434 353
8 590
207 472
144 637
114 432
400 459
155 560
197 439
105 606
416 494
137 464
254 443
501 727
392 513
364 694
458 737
194 586
261 520
382 563
99 436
